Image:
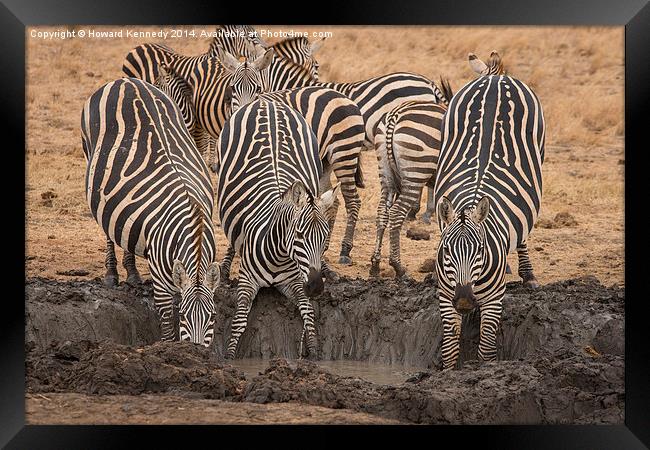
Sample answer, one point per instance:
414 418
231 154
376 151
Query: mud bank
560 358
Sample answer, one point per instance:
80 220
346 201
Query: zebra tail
358 176
446 89
395 178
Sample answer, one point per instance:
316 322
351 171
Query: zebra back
332 116
493 145
144 172
264 147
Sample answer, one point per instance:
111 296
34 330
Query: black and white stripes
268 175
150 191
488 190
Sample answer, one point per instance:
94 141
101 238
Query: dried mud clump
107 368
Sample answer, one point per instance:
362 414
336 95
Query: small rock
417 234
90 74
51 236
539 249
48 195
621 161
427 266
565 219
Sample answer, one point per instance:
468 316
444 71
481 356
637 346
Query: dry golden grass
577 72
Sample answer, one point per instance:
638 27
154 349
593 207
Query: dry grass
577 72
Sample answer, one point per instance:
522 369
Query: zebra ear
297 194
446 211
211 280
482 210
477 65
228 60
327 199
315 46
179 275
265 60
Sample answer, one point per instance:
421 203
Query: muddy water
383 374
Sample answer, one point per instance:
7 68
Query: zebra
241 41
407 144
488 192
300 51
338 125
267 184
150 191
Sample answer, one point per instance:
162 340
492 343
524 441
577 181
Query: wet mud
561 351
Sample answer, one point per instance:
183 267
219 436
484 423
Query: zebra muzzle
464 299
314 285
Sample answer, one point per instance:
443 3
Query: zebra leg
352 204
412 213
525 267
451 327
324 184
132 275
382 222
226 263
431 207
490 318
294 291
246 292
396 217
164 305
112 277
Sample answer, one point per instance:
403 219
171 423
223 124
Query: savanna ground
577 72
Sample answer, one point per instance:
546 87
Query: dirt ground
577 72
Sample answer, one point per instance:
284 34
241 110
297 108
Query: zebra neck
276 237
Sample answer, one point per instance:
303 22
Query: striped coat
150 191
267 192
489 191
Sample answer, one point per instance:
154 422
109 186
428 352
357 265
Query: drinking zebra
407 144
268 175
488 190
150 191
338 125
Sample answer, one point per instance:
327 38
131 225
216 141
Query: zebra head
177 89
308 231
461 253
238 40
301 52
249 79
196 310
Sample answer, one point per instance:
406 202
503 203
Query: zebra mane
198 216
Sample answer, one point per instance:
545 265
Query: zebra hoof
332 276
508 269
400 272
345 260
134 280
531 283
426 218
410 217
374 271
111 281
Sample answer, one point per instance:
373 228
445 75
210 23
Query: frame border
17 15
